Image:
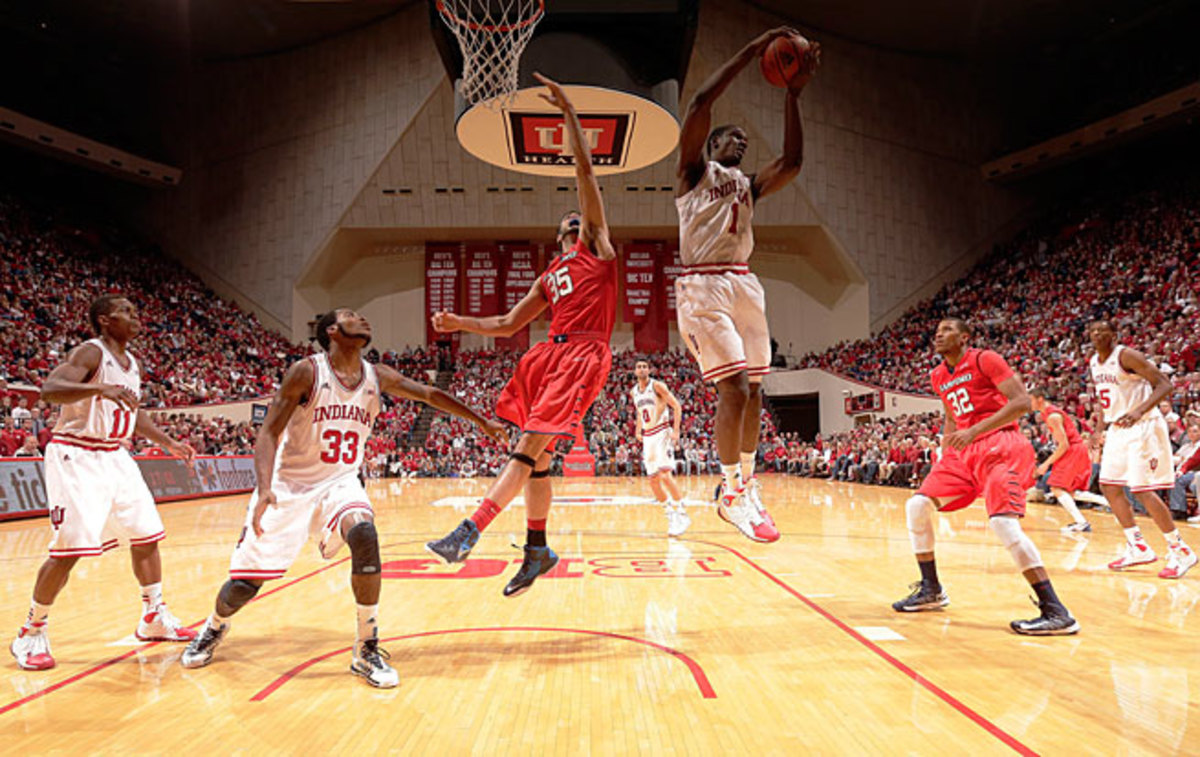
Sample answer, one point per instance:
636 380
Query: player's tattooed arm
1018 404
1135 362
397 385
293 392
68 382
533 303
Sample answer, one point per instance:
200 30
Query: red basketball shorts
555 384
1072 471
999 467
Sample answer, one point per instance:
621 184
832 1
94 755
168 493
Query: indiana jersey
1073 437
650 409
714 218
326 437
1118 390
970 390
582 290
97 422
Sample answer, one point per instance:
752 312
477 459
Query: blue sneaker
538 561
455 546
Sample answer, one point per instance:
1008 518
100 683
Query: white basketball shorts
97 500
1139 456
723 319
656 453
288 524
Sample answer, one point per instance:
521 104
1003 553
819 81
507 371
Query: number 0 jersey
96 422
714 218
582 291
326 437
651 410
970 390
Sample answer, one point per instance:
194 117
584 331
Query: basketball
784 59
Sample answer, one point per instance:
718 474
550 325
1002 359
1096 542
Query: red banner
642 265
483 280
521 268
672 268
442 271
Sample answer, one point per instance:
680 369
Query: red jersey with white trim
582 291
96 422
971 390
1073 437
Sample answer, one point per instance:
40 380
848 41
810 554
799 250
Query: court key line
1008 739
702 682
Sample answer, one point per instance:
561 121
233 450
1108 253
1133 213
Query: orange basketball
784 59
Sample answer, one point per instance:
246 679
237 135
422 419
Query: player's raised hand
495 431
557 97
446 323
120 395
265 500
808 68
759 44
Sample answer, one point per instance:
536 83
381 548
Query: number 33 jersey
970 391
582 292
326 437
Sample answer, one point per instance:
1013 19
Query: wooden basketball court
635 644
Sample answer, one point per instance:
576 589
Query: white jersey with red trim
97 422
326 437
714 218
1118 390
650 409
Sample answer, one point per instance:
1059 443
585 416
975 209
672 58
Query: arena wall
833 389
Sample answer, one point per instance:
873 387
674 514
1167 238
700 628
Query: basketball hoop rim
449 16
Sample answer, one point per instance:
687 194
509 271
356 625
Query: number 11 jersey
971 389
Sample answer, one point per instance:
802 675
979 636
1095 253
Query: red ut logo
57 514
555 138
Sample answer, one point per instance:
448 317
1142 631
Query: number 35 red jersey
970 390
582 291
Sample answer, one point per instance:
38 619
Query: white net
491 34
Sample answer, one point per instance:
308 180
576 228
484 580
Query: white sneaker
677 521
1179 561
1135 554
160 625
754 497
200 651
370 662
734 509
32 649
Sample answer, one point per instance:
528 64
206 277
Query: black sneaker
922 598
200 651
538 561
455 546
1054 621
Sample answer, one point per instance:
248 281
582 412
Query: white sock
1133 535
1174 540
1068 503
731 475
216 622
747 466
367 625
152 596
38 614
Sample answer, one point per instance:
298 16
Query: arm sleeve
994 367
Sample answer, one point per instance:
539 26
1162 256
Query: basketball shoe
200 651
370 662
1054 621
456 545
677 521
754 497
160 625
538 561
1077 528
922 598
744 516
32 648
1179 561
1135 554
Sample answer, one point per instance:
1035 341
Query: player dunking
1137 447
306 461
1070 465
651 399
96 492
984 454
556 381
720 304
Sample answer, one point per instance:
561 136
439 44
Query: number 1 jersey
326 437
970 390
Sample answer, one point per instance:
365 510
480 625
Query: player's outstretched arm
779 172
1135 362
294 390
676 409
697 119
397 385
68 382
505 325
145 426
594 229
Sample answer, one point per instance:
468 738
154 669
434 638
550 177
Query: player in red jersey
985 454
556 381
1070 465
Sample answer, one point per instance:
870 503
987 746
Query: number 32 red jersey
970 391
582 291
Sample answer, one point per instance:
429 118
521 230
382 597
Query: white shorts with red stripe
1139 456
287 526
97 499
722 317
656 451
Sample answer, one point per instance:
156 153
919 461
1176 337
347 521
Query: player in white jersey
659 434
96 493
720 305
1137 447
306 462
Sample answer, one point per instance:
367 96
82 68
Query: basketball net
491 34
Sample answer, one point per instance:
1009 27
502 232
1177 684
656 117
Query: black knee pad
237 592
523 459
364 548
540 474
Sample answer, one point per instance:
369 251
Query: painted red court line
930 686
702 682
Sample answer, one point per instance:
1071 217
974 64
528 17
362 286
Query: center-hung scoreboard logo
540 139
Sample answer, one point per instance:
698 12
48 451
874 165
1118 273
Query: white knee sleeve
919 510
1020 546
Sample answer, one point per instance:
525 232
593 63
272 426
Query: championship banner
521 267
23 481
642 261
441 287
672 268
483 280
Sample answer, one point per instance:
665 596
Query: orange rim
476 27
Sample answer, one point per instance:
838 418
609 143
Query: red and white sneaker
1179 561
754 496
736 510
160 625
32 649
1135 554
